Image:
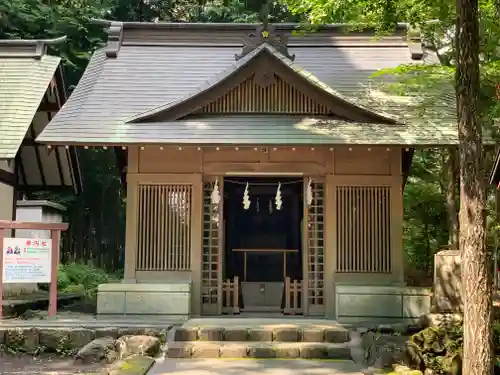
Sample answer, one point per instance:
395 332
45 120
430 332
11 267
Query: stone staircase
268 342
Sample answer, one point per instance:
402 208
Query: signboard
26 260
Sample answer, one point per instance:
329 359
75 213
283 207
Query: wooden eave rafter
47 108
265 60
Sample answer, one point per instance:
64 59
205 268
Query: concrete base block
233 350
260 335
235 334
286 335
312 335
205 350
358 303
171 299
179 350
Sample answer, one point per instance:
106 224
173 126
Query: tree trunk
451 198
477 355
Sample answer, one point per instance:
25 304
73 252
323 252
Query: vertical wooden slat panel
363 229
279 96
163 233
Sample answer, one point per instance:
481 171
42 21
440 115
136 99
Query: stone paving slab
171 366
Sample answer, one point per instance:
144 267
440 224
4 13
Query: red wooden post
55 231
54 235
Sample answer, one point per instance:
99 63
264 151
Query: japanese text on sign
26 260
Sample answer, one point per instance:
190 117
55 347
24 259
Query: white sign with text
26 260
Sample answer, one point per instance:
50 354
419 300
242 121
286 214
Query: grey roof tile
23 82
270 129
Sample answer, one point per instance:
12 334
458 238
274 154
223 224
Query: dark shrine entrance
263 244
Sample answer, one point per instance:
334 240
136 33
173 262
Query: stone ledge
308 335
224 349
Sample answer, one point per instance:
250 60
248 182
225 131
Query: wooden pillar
330 245
131 212
397 216
196 243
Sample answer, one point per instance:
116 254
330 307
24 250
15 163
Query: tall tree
477 355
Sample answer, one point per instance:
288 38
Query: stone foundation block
313 352
233 350
25 340
339 352
261 351
313 335
186 334
210 334
235 334
79 337
106 332
205 350
286 334
260 335
336 335
179 350
287 351
3 333
54 339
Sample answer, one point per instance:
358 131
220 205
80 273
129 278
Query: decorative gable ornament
265 33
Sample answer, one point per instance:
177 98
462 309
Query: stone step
274 349
314 335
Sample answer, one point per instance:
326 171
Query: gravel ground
44 365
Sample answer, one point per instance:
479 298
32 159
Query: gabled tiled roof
149 66
25 74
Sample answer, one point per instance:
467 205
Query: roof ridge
32 48
236 25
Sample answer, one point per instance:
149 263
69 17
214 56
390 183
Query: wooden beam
7 224
38 158
308 169
8 178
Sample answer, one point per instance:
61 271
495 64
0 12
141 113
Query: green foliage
82 274
441 348
80 277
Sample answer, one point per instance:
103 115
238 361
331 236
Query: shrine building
265 168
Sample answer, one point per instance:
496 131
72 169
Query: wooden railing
230 296
293 295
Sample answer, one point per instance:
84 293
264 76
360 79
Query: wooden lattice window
211 259
164 228
315 249
364 229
